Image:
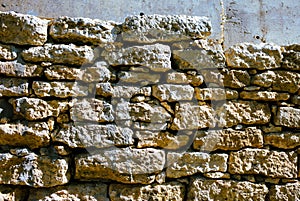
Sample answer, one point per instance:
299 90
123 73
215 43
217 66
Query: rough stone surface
11 194
156 57
82 30
228 139
104 89
291 57
93 135
85 191
202 189
13 87
144 78
31 134
235 79
128 92
121 164
215 94
288 116
296 99
264 96
59 54
171 93
22 29
289 191
260 56
14 69
285 140
7 52
273 164
153 28
168 191
180 165
26 168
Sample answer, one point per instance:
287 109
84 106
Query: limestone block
153 28
156 57
8 52
82 30
150 126
215 94
80 135
59 54
12 194
58 72
228 139
296 99
288 116
14 69
259 56
273 164
189 163
32 134
202 189
22 29
27 168
14 87
168 191
235 78
177 78
171 93
144 78
104 89
285 140
291 57
264 95
128 92
124 165
290 191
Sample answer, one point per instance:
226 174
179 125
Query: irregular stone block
288 116
14 69
156 57
59 89
177 78
180 165
12 194
138 77
22 29
59 72
243 112
201 189
171 93
153 28
7 52
86 191
260 56
296 99
286 140
13 87
82 30
93 135
104 89
264 95
228 139
91 109
217 175
26 168
32 134
215 94
125 165
130 91
290 191
168 191
191 116
235 79
278 80
291 57
59 54
150 126
273 164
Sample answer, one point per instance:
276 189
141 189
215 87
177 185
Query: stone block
284 140
8 52
171 93
264 95
15 69
13 87
288 116
290 191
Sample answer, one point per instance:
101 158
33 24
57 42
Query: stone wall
149 109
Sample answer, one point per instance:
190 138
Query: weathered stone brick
288 116
7 52
291 57
14 87
285 140
128 92
143 78
171 93
14 69
235 79
264 95
104 89
215 94
290 191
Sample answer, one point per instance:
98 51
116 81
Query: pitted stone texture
290 191
208 190
85 191
260 56
243 112
234 79
33 170
91 109
124 165
154 28
278 80
296 99
156 57
144 78
7 52
93 135
273 164
82 30
32 134
168 191
128 92
14 69
146 126
13 87
59 54
285 140
58 72
180 165
291 57
22 29
198 59
288 116
104 89
190 116
228 139
264 95
172 93
215 94
177 78
59 89
12 194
